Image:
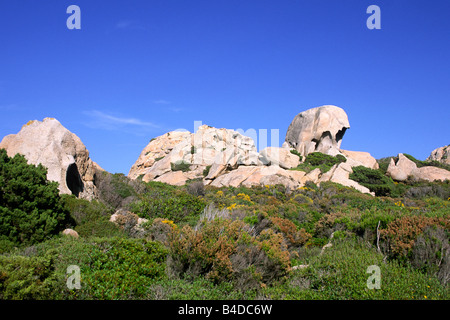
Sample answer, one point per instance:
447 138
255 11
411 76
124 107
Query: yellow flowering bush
244 197
400 204
169 222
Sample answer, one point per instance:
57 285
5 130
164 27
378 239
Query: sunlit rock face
66 158
318 129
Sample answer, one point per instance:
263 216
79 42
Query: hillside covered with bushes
204 242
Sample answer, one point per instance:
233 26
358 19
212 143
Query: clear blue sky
138 69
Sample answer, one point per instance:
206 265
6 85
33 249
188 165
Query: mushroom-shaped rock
318 129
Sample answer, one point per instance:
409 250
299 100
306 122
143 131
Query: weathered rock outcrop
360 158
60 151
318 130
223 157
156 150
441 154
279 156
404 168
193 152
340 173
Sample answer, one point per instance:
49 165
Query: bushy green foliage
122 268
341 273
31 209
373 179
206 171
91 217
180 166
383 163
111 268
293 151
27 278
165 201
320 160
116 190
83 210
222 250
240 243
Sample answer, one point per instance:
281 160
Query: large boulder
360 158
48 143
235 177
340 173
157 149
318 129
71 233
405 168
280 157
401 169
252 176
441 155
273 175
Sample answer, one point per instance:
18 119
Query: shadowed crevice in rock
325 142
73 180
340 135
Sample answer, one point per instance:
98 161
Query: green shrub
197 289
206 171
340 273
113 268
320 160
196 188
99 228
225 250
6 245
83 211
31 209
383 163
165 201
373 179
431 253
117 190
27 278
122 268
180 166
293 151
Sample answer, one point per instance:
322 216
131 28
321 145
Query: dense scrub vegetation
265 242
318 160
30 207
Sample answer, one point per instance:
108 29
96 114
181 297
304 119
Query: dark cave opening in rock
340 134
73 180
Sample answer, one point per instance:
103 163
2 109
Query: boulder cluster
223 157
218 157
405 169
